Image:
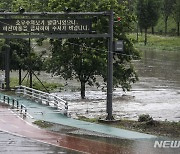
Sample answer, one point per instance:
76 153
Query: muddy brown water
156 93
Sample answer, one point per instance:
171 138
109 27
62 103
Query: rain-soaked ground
13 144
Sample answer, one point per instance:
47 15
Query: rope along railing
44 98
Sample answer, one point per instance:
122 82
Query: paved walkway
13 124
13 144
47 113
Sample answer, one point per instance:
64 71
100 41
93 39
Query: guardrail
14 103
44 98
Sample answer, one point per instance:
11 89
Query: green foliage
145 118
157 42
167 7
177 11
37 85
84 59
83 118
89 58
29 5
43 124
148 13
6 5
20 56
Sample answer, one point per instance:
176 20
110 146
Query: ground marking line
18 135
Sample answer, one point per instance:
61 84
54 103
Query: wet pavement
16 132
14 144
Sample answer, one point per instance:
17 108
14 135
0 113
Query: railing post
25 112
66 109
17 104
25 91
47 100
13 103
21 108
4 99
8 100
32 94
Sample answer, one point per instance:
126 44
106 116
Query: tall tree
167 9
20 58
30 5
84 59
176 14
147 14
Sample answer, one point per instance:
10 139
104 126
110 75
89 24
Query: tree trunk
137 36
153 30
145 39
141 30
30 79
166 23
20 77
178 24
83 90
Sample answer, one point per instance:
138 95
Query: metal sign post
7 62
110 69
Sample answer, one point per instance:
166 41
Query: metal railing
44 98
14 103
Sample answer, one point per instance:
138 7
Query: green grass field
170 43
37 85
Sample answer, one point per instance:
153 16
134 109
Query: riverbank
156 42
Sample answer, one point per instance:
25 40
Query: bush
145 118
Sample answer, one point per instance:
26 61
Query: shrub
145 118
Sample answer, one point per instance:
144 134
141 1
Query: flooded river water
156 93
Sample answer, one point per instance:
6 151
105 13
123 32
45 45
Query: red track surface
14 124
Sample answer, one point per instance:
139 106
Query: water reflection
139 146
163 65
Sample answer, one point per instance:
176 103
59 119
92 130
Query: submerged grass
43 124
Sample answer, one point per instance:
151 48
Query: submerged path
47 113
